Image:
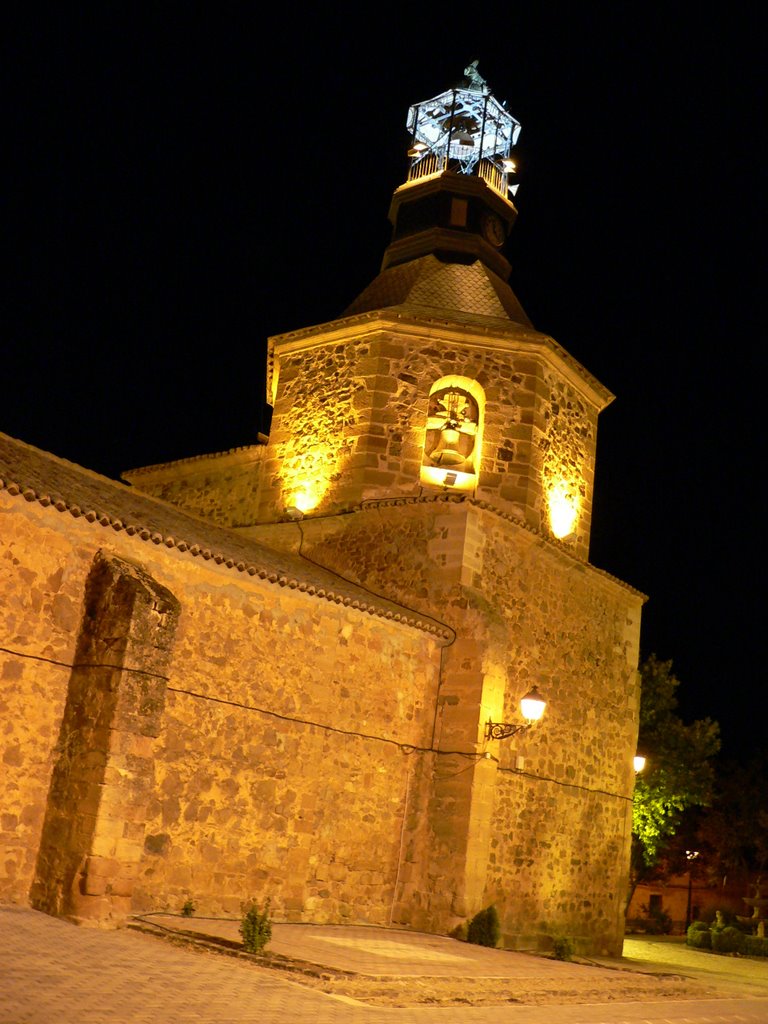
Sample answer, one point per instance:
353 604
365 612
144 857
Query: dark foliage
484 928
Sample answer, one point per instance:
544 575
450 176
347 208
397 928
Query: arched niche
453 434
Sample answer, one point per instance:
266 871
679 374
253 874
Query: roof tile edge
142 533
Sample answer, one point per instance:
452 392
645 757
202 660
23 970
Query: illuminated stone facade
269 672
376 374
351 408
223 733
312 737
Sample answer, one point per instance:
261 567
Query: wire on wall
404 748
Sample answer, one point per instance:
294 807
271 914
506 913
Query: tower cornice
469 332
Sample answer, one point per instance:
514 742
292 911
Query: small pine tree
255 927
484 928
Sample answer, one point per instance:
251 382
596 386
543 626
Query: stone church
295 669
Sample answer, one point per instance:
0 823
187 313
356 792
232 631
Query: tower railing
493 176
432 164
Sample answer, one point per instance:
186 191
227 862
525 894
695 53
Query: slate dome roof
428 285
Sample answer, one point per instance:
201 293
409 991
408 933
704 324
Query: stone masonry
270 672
264 760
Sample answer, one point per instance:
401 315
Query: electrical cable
405 748
565 785
79 665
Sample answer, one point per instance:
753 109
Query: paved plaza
52 972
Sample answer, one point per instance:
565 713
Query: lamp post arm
502 730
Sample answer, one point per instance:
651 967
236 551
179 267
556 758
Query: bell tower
441 452
434 379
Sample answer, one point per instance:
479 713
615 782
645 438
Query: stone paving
394 967
54 973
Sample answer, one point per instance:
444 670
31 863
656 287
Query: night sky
183 185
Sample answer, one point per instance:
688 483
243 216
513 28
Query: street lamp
691 855
532 707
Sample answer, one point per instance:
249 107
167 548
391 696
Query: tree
678 774
735 828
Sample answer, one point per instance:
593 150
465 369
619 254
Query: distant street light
691 855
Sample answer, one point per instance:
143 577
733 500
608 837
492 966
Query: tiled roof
193 461
106 504
428 285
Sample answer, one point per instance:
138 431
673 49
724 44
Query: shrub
484 928
459 932
726 940
699 936
562 948
255 927
188 908
754 945
657 922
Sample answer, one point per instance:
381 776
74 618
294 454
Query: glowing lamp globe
532 706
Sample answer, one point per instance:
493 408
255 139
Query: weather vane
475 79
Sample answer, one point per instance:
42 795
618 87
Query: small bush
726 940
657 922
699 936
484 928
188 908
562 948
754 945
255 927
459 932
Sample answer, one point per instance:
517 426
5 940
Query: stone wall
281 765
281 768
103 773
300 749
350 420
557 862
222 488
41 583
542 828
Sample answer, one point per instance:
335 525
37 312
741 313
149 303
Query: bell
447 453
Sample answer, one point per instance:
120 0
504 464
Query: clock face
493 230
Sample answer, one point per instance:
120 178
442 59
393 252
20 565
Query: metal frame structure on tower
464 130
